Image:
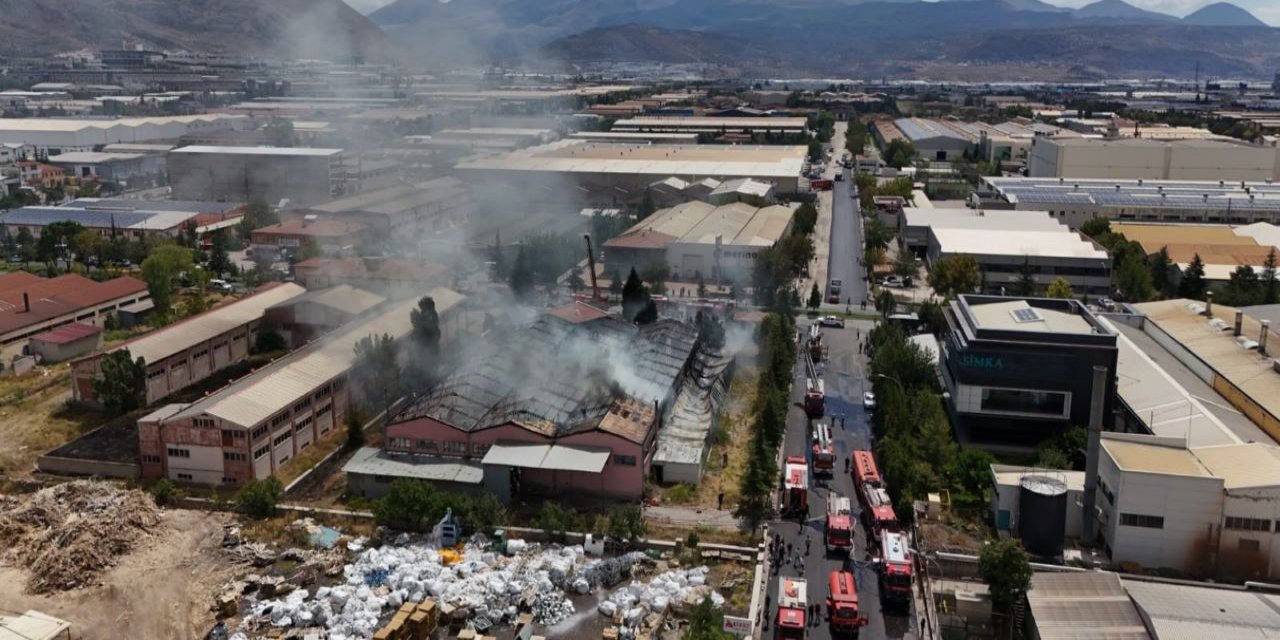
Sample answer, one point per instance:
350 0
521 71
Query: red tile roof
68 333
578 312
52 298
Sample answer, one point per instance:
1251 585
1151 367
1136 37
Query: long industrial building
250 428
54 136
1004 253
302 176
401 212
31 305
696 124
1134 158
125 218
189 351
608 172
1076 201
698 240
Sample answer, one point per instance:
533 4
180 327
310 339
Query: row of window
281 439
1248 524
231 456
205 423
179 453
1139 520
303 405
261 451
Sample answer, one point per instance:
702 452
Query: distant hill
1223 14
1119 9
324 29
644 42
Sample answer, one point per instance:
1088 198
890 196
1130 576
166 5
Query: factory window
204 423
1048 403
428 446
226 480
325 409
297 408
179 453
626 461
302 424
455 448
1139 520
1248 524
276 421
401 443
259 432
184 476
479 450
147 459
231 456
155 374
261 451
1250 546
282 438
1107 493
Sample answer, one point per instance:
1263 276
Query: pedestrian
808 544
788 549
720 501
859 348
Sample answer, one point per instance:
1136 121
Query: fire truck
896 567
795 487
813 343
824 450
793 608
839 536
842 605
865 472
878 512
815 396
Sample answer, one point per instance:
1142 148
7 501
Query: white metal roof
965 218
1242 466
1083 606
548 456
163 343
582 156
375 461
1005 315
32 625
1181 611
258 151
92 157
1005 242
273 388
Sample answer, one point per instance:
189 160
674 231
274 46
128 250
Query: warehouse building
283 240
189 351
1140 158
695 124
54 136
1076 201
389 277
1004 254
540 413
698 240
607 172
31 305
302 176
304 318
125 218
936 140
250 428
66 342
403 211
1020 370
1221 248
134 170
914 223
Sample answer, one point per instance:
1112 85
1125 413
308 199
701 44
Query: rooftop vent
1219 325
1247 343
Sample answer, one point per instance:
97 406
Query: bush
680 494
355 429
691 541
258 498
163 492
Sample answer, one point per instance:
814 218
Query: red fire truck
793 608
839 536
814 343
795 487
878 512
896 567
842 605
815 396
824 450
865 472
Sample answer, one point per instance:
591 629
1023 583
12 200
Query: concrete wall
1236 559
1104 159
1191 508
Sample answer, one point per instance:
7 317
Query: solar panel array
1184 195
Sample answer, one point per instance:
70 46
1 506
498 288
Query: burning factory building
575 403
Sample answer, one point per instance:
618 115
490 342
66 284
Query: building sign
737 626
986 363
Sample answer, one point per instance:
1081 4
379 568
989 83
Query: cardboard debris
66 535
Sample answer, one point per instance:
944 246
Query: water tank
1042 517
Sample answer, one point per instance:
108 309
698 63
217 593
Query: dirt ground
736 422
34 417
162 590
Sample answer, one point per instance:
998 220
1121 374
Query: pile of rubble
643 606
67 534
482 585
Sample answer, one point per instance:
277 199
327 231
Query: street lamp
901 387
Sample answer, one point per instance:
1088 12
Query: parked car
1106 304
892 281
831 321
869 401
221 286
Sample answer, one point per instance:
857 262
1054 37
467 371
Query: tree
257 214
1243 288
971 470
86 245
1270 286
190 236
555 520
376 369
219 262
886 304
355 430
626 524
954 275
521 277
905 265
634 296
710 331
258 498
54 240
410 505
815 297
656 275
1059 288
1006 568
1096 228
1193 285
268 340
877 234
1133 279
307 250
164 264
647 206
1161 265
805 219
425 341
899 153
1025 285
706 622
647 315
278 133
122 382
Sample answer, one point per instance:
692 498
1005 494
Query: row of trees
384 370
869 187
777 354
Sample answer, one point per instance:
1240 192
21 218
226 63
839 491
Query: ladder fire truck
795 487
816 349
815 397
839 536
824 450
896 568
842 605
793 608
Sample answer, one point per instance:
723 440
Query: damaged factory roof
564 375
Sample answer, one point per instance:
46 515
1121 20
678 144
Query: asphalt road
844 373
846 246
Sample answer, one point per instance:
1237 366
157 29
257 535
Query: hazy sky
1266 10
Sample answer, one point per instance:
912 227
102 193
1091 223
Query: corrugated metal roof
1083 606
547 456
69 333
163 343
273 388
375 461
1186 612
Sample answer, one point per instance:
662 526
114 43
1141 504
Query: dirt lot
34 417
733 427
160 591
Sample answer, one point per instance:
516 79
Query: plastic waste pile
486 587
631 606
